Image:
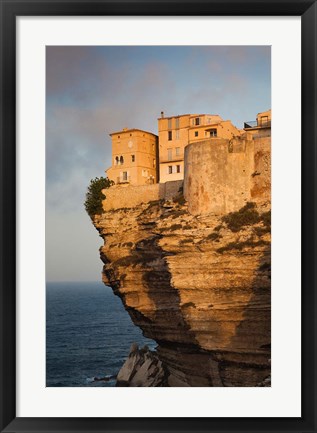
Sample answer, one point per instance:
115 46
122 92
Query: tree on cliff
94 195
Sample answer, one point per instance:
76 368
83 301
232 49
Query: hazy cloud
93 91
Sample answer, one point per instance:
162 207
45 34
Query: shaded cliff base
144 368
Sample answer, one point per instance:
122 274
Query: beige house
176 132
260 126
134 157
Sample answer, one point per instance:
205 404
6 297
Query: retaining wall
218 175
119 196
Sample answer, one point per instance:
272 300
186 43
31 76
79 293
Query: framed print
167 129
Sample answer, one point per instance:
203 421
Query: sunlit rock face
199 285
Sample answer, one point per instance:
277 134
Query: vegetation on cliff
247 216
94 195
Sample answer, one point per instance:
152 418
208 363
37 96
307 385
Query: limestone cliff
199 285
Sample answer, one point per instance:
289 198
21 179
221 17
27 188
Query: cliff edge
199 285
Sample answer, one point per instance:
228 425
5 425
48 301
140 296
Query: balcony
254 124
123 179
173 159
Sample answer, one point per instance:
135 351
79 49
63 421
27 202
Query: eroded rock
142 369
198 285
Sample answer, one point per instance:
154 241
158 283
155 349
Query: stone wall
172 189
119 196
218 175
261 177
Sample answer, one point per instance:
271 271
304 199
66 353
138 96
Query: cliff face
197 285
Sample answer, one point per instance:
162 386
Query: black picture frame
10 9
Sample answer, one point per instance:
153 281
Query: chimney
162 114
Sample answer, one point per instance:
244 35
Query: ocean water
88 334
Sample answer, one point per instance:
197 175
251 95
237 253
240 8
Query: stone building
176 132
134 157
143 158
218 174
260 126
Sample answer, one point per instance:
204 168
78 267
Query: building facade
176 132
260 126
134 157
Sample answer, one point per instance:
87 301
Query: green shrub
265 267
241 245
180 200
217 228
155 203
188 227
266 218
175 227
214 236
178 213
94 195
185 241
246 216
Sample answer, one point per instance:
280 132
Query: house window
169 122
170 135
170 169
177 134
133 158
178 169
197 121
213 133
130 135
177 151
196 133
177 122
116 160
125 176
118 136
121 160
169 154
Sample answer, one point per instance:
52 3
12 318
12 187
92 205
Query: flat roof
172 117
190 115
204 114
131 130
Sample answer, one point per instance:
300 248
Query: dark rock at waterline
142 369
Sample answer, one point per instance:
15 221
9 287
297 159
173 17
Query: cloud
93 91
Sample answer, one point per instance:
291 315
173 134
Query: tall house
261 126
134 157
176 132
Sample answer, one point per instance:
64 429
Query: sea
88 334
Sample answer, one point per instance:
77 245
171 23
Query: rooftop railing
254 124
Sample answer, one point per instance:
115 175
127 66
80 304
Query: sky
93 91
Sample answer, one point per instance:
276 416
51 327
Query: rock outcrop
197 285
142 368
